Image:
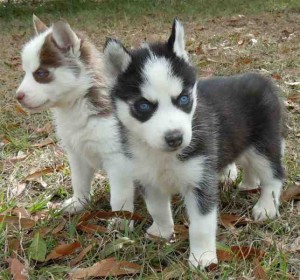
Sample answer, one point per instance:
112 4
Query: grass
219 43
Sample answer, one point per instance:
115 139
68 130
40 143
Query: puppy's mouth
38 108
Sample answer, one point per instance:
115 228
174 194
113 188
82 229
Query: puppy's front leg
201 204
121 189
81 174
159 207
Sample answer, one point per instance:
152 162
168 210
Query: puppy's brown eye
41 73
42 76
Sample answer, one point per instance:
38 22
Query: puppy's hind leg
270 172
250 179
229 173
81 174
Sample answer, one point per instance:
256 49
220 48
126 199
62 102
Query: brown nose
20 95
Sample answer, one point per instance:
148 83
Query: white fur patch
159 80
179 44
259 169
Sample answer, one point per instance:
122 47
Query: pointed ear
38 25
64 37
117 58
176 41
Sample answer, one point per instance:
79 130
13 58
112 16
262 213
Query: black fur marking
124 140
207 191
128 83
241 111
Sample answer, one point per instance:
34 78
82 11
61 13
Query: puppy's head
53 67
154 90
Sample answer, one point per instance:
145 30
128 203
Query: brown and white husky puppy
64 73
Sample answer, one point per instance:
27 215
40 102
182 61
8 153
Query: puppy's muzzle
174 138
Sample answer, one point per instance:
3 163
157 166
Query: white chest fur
163 170
94 137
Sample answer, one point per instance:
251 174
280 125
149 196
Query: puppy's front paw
202 260
160 231
74 205
264 209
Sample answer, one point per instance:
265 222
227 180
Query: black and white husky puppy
180 133
65 73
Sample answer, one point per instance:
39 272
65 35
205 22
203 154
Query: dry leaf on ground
63 250
18 270
81 255
290 193
24 223
14 246
258 271
33 176
17 189
47 128
231 220
91 228
19 157
239 252
45 142
105 268
105 215
19 109
21 212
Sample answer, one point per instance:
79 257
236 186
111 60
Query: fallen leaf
34 176
14 246
63 250
225 253
21 212
38 248
231 221
24 223
81 255
20 110
242 252
47 128
290 193
106 215
45 142
181 232
18 270
276 76
116 245
59 227
17 158
294 97
91 228
293 246
17 189
258 271
106 268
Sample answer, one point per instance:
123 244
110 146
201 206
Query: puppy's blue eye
143 106
184 100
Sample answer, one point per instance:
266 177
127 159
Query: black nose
174 138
